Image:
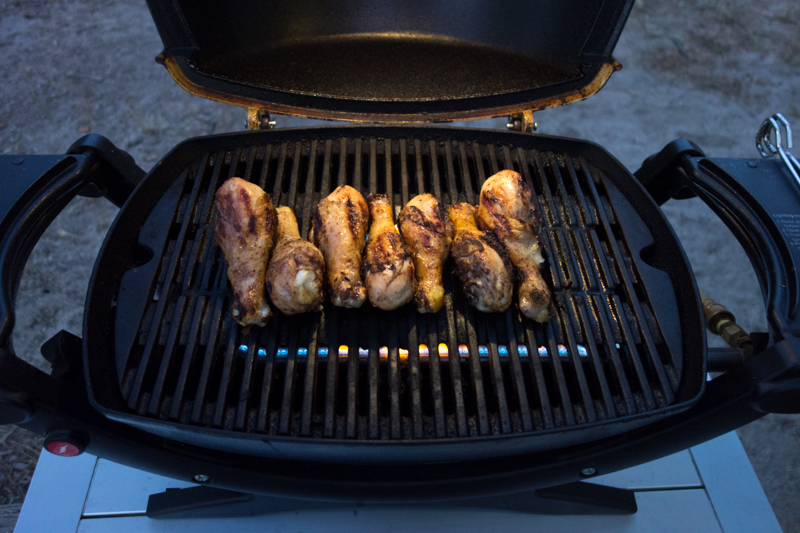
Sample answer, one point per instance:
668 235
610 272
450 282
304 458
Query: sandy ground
707 70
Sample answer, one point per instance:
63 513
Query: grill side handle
754 199
36 188
758 201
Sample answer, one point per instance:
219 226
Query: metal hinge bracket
258 119
522 122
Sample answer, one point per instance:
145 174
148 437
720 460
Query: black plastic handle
25 218
759 202
753 197
37 188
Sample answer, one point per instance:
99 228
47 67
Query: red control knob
65 443
63 449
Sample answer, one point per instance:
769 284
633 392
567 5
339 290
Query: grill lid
394 62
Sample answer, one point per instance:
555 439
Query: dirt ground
707 70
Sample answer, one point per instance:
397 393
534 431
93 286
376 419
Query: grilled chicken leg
428 234
389 268
340 230
480 263
506 209
296 272
245 226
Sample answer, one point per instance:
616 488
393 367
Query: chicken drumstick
339 230
389 268
480 263
506 209
297 271
428 234
245 226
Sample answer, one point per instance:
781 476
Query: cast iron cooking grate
368 374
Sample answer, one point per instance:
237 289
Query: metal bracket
772 127
258 119
522 122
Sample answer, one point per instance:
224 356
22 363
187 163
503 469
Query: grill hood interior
393 61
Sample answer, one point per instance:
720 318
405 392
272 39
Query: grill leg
578 498
174 501
590 498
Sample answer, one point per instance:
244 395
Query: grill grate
367 374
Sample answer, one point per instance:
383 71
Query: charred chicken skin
479 263
339 230
245 223
296 273
389 268
428 234
506 209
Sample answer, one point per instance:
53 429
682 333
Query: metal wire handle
772 126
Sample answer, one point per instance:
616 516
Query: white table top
711 487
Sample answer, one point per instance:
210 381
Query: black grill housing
628 320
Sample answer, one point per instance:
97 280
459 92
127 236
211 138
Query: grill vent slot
370 375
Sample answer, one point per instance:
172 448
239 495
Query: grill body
82 400
625 349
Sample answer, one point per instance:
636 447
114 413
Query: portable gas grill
366 405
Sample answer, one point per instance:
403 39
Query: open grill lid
391 62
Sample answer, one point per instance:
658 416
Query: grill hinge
522 122
258 119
